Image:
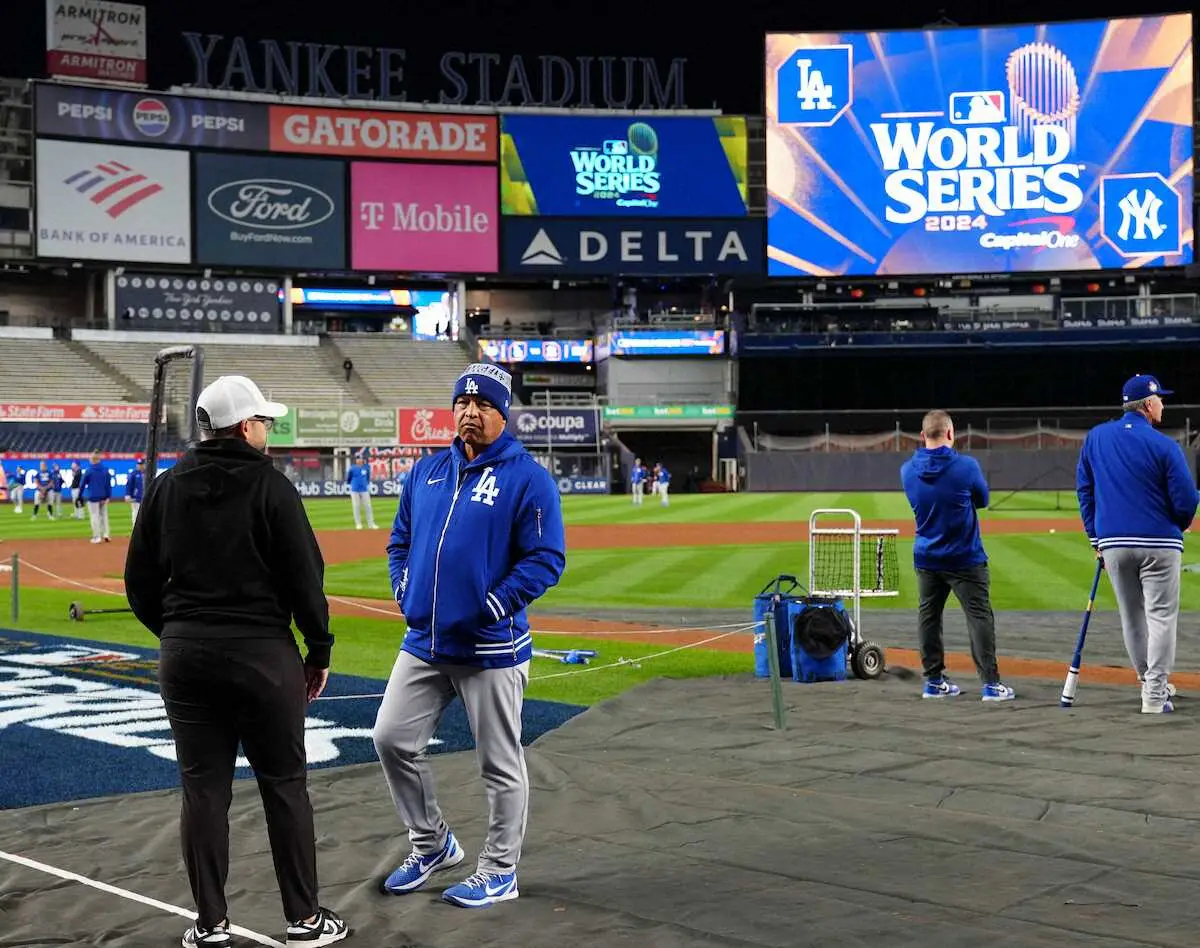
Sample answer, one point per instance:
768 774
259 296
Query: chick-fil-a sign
424 218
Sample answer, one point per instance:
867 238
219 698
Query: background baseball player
664 483
96 488
41 496
358 476
1136 497
637 481
135 488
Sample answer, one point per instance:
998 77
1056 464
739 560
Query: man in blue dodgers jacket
944 489
477 538
1136 497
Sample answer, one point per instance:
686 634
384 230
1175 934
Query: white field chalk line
394 614
619 663
132 896
73 582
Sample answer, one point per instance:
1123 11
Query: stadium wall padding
1005 470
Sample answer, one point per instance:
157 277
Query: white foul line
132 896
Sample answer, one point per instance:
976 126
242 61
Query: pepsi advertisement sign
536 350
1008 149
623 166
126 116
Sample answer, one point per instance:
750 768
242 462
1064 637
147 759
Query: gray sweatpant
1145 581
413 702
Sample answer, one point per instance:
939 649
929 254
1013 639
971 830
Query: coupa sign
555 426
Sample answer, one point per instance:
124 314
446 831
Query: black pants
970 587
218 692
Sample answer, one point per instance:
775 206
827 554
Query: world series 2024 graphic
1006 149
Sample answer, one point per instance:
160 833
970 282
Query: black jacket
222 548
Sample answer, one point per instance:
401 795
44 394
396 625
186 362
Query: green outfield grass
368 647
335 514
1029 572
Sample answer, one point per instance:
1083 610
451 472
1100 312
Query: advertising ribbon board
425 427
333 426
61 411
395 134
567 427
627 412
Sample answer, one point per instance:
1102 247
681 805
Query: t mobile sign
424 218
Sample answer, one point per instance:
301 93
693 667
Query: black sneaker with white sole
327 928
218 935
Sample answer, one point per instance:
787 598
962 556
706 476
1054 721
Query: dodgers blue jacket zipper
472 545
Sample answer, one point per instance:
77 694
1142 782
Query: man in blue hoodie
1136 497
477 538
944 489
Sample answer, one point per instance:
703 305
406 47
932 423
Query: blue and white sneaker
1165 706
998 692
415 871
940 688
481 890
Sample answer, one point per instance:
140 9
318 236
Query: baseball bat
1068 692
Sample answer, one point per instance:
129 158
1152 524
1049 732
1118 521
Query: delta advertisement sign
424 218
1062 146
86 412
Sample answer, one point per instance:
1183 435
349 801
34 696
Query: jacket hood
503 448
212 470
931 463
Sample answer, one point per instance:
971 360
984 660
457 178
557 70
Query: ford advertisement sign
555 426
270 212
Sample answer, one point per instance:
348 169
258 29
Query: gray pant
970 587
415 698
360 502
1145 581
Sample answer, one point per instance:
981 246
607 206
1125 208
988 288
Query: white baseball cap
232 399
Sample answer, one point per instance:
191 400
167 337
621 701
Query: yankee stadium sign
325 70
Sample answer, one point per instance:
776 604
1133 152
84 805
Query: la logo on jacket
486 490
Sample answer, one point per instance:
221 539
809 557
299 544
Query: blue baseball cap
1143 386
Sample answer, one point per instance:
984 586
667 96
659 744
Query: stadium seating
295 375
50 440
405 372
48 370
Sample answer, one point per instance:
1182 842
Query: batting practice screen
1006 149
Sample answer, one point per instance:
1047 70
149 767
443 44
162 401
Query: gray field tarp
675 816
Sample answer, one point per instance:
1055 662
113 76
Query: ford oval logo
270 204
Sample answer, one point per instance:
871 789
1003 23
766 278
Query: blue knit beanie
489 382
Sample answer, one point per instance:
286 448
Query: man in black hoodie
221 560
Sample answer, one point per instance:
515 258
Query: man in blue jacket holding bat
477 538
944 489
1136 497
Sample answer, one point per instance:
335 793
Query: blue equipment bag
819 630
774 598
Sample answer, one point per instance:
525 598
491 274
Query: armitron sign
59 411
96 39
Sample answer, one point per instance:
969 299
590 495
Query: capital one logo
1141 215
815 86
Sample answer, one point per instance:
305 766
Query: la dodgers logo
471 388
486 491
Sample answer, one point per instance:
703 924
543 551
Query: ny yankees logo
486 490
1143 215
471 388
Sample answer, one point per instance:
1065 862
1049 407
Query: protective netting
1032 437
833 551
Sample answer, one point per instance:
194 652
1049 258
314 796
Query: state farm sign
59 411
383 134
421 427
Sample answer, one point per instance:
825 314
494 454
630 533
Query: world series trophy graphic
1043 89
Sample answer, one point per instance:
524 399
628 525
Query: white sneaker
96 540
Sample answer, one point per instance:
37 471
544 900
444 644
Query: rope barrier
64 579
